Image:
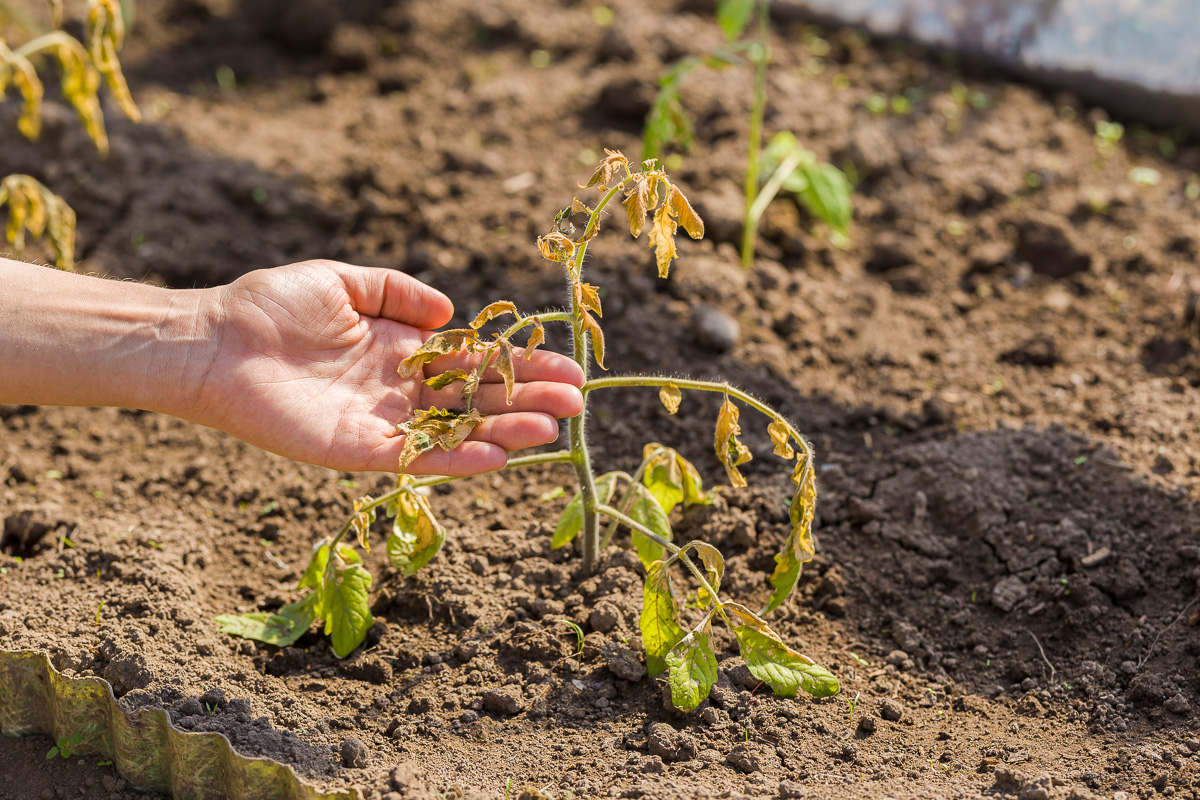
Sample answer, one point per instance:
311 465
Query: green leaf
311 579
571 521
345 606
280 629
776 664
733 16
645 509
660 618
827 195
416 536
672 479
799 548
693 670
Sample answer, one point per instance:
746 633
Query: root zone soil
999 374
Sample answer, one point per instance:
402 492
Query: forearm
70 339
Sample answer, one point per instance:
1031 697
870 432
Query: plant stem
754 149
703 386
771 188
580 457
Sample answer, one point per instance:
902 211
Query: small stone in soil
354 754
890 710
715 329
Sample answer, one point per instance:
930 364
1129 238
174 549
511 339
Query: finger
388 294
469 458
544 365
516 431
557 399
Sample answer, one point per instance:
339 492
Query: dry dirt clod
670 744
890 710
506 700
752 757
354 754
622 661
1008 593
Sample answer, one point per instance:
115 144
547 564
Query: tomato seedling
823 189
338 582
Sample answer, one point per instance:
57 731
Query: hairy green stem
754 148
703 386
576 428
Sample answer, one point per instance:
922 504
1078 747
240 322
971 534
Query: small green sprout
853 705
579 637
100 608
64 745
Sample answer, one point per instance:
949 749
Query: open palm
305 366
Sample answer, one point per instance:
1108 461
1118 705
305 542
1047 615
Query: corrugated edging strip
147 750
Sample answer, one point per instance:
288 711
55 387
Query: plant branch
557 456
674 549
703 386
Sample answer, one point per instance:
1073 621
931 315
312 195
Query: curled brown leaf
439 344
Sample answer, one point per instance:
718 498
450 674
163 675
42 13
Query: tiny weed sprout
337 582
823 189
64 745
83 66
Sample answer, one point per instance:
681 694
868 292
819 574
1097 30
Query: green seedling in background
823 189
338 582
64 745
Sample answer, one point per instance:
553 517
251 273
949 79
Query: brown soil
999 374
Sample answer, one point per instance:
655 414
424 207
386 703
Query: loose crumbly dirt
999 374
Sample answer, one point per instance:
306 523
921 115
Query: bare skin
298 360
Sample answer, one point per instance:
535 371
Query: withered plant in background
338 581
823 189
32 207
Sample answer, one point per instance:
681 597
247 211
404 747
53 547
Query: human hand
304 365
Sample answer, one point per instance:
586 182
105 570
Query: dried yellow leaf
504 365
636 205
684 212
592 327
613 162
662 239
435 427
499 308
556 247
670 397
781 438
588 296
537 337
730 449
106 35
439 344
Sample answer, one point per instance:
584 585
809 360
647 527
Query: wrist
188 341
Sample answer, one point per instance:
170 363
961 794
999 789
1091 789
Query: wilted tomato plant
641 502
32 207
